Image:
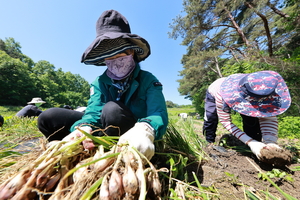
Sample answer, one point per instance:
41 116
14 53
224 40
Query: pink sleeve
269 129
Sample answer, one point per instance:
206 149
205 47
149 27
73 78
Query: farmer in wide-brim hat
32 109
124 96
36 101
258 97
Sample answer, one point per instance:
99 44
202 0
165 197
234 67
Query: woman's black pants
55 123
250 124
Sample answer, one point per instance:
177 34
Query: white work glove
256 147
273 146
141 136
270 140
88 143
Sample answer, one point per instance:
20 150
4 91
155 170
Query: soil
278 157
233 172
231 169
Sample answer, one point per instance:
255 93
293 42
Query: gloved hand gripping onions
65 170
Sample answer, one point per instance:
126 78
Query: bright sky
60 31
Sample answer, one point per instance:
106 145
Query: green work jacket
144 98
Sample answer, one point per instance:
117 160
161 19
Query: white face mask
120 68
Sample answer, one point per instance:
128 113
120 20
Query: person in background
258 97
124 96
32 109
80 108
68 107
1 121
183 116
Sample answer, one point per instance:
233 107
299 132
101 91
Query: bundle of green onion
66 171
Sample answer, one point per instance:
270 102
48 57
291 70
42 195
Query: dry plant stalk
66 171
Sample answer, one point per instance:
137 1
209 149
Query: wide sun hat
113 37
259 94
36 100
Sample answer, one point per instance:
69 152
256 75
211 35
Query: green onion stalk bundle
66 171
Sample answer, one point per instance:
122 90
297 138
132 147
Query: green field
182 146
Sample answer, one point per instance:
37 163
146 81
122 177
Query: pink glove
256 147
88 143
141 136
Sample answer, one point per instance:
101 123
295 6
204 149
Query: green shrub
237 120
289 127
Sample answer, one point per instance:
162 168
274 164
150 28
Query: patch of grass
183 147
289 127
176 111
6 111
16 130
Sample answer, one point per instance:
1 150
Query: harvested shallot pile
66 171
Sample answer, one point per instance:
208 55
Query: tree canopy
21 80
227 37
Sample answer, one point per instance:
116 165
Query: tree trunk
266 25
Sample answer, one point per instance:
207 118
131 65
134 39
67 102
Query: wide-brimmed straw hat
36 100
258 94
113 37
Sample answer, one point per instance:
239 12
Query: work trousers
250 124
116 119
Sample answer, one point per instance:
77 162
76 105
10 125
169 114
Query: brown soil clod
276 157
